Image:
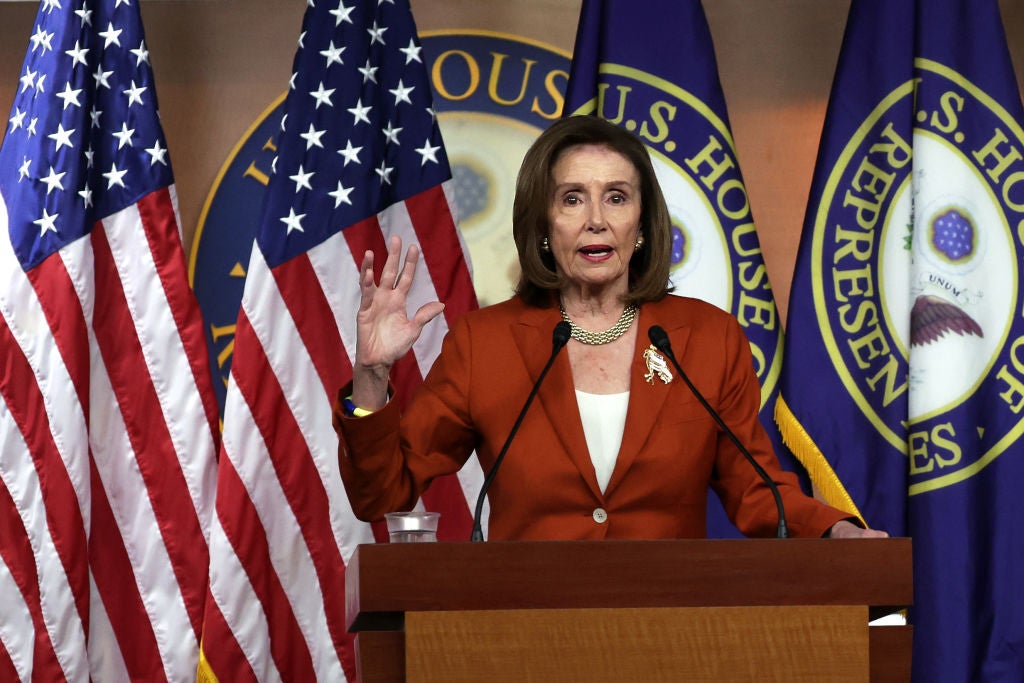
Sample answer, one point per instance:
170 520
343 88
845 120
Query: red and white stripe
107 455
284 530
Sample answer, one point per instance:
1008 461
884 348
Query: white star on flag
385 172
301 179
391 133
401 93
369 72
110 36
52 181
141 54
69 96
341 195
377 33
17 118
134 94
412 52
293 220
359 112
322 95
428 152
312 137
157 154
62 138
102 77
124 136
333 54
77 55
115 176
47 222
350 153
342 13
28 80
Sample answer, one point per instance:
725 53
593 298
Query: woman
610 449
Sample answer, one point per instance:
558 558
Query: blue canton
84 139
359 131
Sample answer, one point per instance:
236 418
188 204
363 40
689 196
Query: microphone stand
560 338
660 340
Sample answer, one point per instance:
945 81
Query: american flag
108 421
360 158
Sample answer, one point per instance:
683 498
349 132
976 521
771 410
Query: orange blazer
546 488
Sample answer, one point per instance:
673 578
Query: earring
639 244
545 245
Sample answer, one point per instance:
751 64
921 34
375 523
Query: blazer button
600 516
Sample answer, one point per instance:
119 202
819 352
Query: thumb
428 312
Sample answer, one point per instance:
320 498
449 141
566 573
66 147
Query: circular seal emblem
716 254
493 92
916 275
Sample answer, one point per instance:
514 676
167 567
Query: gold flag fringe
204 672
824 478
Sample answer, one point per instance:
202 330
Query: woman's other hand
845 529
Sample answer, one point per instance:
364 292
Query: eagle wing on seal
932 317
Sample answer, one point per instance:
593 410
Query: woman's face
594 217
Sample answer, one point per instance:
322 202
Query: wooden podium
693 610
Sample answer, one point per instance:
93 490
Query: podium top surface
384 580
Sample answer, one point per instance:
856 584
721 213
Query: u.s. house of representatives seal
916 281
493 92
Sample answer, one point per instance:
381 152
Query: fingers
366 270
366 284
389 274
408 274
397 274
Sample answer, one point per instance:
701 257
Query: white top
604 420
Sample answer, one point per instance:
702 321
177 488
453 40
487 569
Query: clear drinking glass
415 526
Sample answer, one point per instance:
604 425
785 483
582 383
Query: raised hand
384 330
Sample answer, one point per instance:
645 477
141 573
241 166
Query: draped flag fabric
360 158
108 421
650 67
905 316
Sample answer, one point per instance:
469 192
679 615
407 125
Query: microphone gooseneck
659 338
559 338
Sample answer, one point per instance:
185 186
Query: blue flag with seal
905 314
627 67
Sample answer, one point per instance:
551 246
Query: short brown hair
648 268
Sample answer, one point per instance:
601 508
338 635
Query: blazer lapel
646 400
557 396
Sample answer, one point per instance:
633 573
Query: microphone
659 338
559 338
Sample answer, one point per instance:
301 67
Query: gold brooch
656 365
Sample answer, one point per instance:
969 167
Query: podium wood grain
805 643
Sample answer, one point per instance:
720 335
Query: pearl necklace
609 335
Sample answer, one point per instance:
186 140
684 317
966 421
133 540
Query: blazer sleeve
388 459
745 497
